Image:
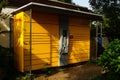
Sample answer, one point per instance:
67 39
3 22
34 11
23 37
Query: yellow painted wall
18 41
45 40
79 47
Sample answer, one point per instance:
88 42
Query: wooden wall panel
18 41
79 46
45 40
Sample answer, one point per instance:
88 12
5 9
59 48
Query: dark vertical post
64 40
30 44
11 46
96 39
10 36
91 57
101 31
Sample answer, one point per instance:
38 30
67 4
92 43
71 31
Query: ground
79 72
84 71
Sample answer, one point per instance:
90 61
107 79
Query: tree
110 9
3 3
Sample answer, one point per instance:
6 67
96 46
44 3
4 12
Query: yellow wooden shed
49 36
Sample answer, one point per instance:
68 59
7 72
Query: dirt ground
80 72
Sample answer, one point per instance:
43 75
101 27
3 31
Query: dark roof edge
19 3
55 7
69 4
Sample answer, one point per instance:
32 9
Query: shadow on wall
50 57
50 24
51 29
8 70
46 38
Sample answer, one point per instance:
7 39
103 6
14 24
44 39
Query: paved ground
81 72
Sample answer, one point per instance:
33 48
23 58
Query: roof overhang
19 3
59 10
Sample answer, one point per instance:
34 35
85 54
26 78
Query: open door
64 40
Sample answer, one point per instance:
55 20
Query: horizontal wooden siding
45 34
79 46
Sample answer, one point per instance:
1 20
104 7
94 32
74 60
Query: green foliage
110 59
110 9
103 6
3 3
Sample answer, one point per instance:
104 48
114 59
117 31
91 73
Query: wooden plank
45 62
80 30
40 66
78 22
78 60
36 67
41 28
45 18
45 36
79 47
39 56
38 61
79 55
18 41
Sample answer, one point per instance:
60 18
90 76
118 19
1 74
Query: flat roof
19 3
58 10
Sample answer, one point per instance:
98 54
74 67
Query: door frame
63 40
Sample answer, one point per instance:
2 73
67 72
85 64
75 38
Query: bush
110 59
